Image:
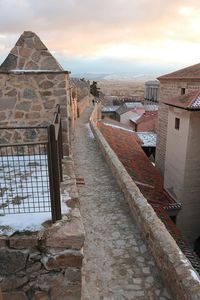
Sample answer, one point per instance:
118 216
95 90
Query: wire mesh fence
31 171
24 179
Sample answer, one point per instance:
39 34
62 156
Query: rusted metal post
54 174
60 147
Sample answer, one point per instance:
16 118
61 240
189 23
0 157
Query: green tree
94 90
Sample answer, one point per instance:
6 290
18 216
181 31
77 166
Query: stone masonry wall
168 89
46 265
176 269
85 102
83 88
29 99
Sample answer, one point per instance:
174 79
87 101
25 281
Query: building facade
171 85
152 90
178 144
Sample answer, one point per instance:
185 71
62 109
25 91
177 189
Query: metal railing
55 156
31 172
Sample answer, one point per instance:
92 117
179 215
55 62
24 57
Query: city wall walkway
117 264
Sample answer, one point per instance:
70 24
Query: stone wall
176 269
46 265
83 88
30 98
84 103
168 89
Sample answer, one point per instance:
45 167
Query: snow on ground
90 133
119 127
22 222
24 184
24 193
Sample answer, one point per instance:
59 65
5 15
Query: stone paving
117 264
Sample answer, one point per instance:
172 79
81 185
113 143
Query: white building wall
182 168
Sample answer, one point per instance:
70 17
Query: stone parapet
181 278
46 264
83 103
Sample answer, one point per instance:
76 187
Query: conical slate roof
29 53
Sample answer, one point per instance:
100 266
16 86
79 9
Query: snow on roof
133 104
148 138
135 117
151 107
25 201
119 127
196 103
112 108
187 101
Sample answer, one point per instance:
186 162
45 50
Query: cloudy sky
108 35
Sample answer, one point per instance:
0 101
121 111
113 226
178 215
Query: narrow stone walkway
117 264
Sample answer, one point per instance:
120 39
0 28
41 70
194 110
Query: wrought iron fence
31 172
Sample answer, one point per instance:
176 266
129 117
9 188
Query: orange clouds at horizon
141 30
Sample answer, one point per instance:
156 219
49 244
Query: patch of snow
151 107
25 193
23 222
133 105
135 117
195 276
148 138
24 184
196 103
64 198
110 108
116 126
90 133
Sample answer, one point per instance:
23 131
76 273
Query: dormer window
182 91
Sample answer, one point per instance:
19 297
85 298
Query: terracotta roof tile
188 101
191 72
130 153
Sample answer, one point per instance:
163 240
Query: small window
177 123
182 91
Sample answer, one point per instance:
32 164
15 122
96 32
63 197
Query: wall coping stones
176 269
34 72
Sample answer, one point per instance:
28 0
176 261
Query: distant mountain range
116 76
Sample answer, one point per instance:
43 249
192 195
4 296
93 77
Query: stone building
32 83
178 146
152 90
182 164
171 85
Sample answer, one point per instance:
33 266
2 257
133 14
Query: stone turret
29 53
32 83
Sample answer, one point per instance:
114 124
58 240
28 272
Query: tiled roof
151 107
148 180
191 72
128 106
115 124
137 164
148 138
146 116
111 108
189 101
135 117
